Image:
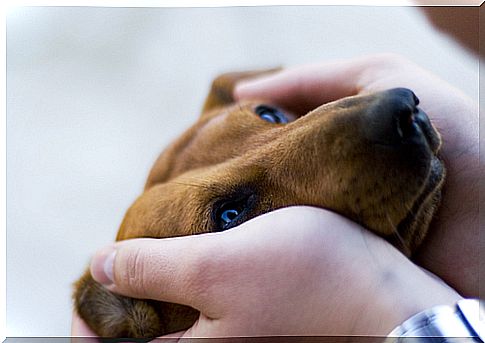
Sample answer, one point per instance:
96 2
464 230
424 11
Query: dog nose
395 118
405 103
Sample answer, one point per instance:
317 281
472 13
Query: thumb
168 269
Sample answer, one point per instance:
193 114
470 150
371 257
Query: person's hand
452 247
308 271
295 271
80 329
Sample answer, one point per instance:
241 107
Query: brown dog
371 158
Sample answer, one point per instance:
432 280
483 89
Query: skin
329 304
307 303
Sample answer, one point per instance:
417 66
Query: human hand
295 271
452 247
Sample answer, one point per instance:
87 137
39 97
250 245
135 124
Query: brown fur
338 157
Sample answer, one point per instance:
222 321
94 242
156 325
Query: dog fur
372 158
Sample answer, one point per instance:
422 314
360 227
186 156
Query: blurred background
94 94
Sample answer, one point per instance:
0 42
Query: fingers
80 331
303 88
203 271
234 277
165 270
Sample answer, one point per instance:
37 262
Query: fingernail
102 266
237 90
246 88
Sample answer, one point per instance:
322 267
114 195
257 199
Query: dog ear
222 87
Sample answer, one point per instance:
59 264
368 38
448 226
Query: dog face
372 158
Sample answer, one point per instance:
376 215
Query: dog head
372 158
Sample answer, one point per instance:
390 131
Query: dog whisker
209 186
202 183
193 185
396 234
371 252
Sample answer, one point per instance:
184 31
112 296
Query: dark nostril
405 122
403 103
394 118
416 100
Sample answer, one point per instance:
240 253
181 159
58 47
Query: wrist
418 293
403 291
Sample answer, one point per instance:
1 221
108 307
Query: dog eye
271 114
229 214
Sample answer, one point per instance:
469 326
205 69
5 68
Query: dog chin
414 226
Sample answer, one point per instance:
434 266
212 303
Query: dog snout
395 120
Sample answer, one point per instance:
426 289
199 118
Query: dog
372 158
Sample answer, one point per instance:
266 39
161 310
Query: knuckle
380 66
130 275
